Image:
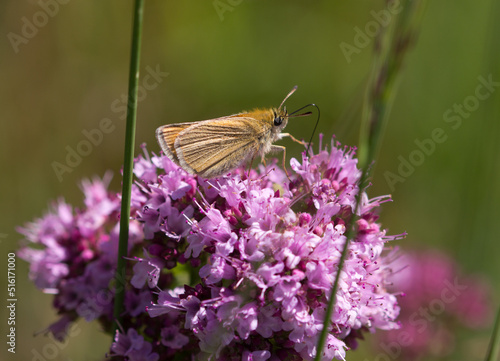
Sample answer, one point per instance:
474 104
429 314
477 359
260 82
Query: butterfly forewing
213 147
166 136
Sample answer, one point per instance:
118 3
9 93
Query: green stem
494 348
121 269
390 50
350 234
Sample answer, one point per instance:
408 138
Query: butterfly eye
278 121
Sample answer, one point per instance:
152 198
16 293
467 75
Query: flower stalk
128 161
494 347
391 46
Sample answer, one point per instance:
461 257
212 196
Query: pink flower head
234 268
269 251
437 300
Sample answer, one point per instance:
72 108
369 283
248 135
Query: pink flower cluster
438 301
72 254
234 268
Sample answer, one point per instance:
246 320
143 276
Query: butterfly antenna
288 96
308 113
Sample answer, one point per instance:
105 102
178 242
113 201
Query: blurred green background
71 73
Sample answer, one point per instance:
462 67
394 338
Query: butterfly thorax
268 123
272 121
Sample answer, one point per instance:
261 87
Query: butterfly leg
250 164
279 148
293 138
263 160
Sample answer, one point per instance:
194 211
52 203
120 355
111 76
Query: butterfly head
280 116
279 119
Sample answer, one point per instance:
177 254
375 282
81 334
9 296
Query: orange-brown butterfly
211 148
